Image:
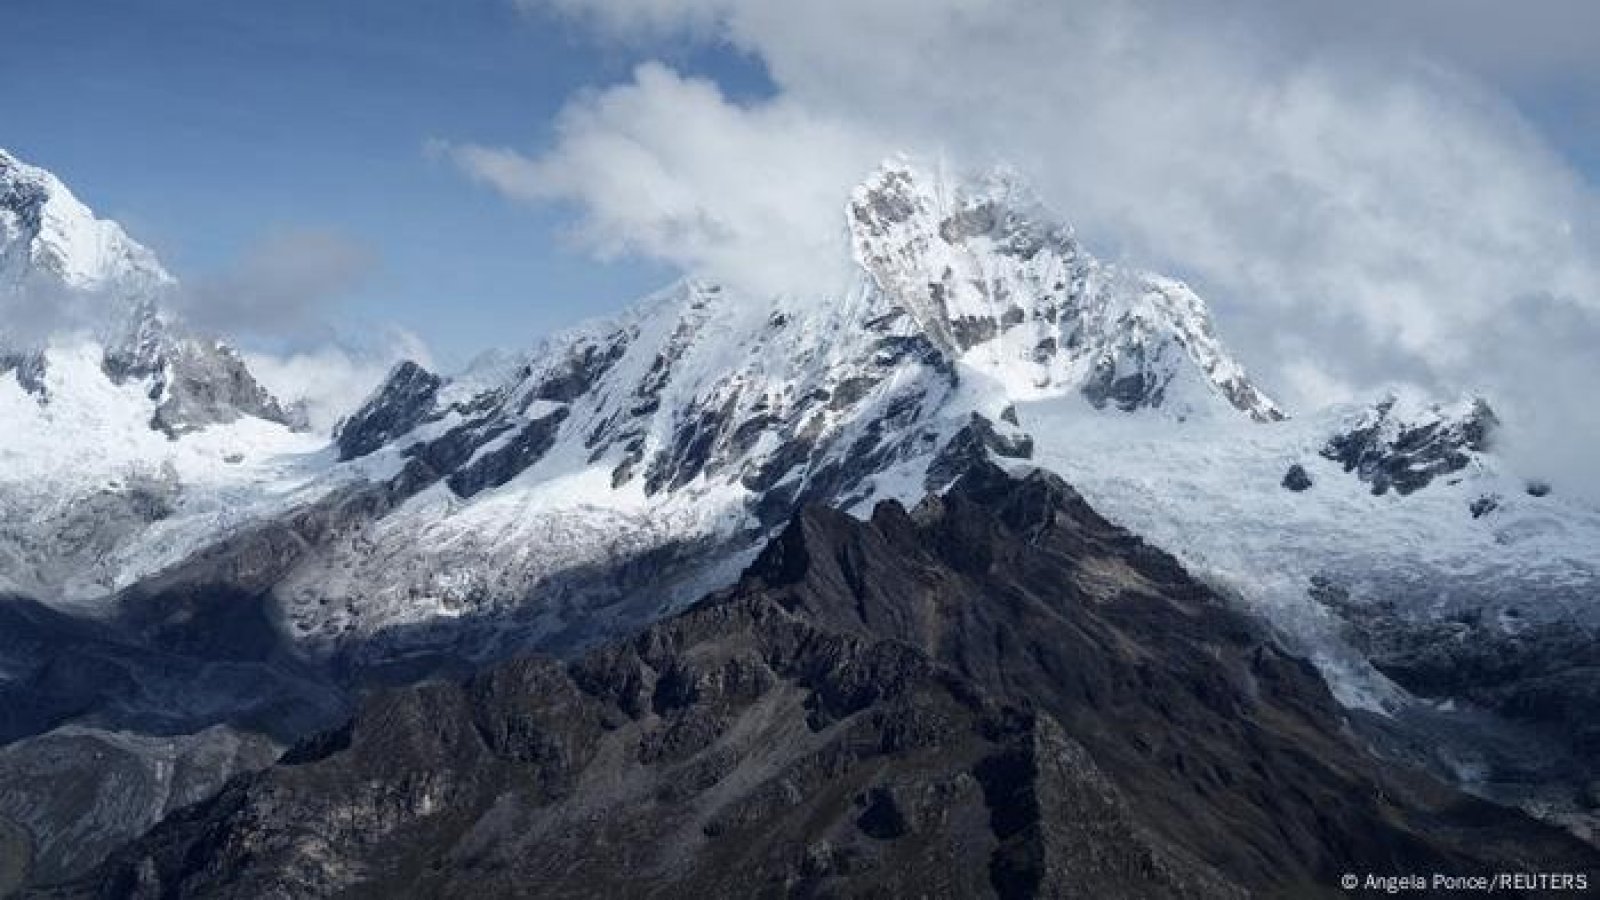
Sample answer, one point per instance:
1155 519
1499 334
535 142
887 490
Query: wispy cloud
282 285
333 378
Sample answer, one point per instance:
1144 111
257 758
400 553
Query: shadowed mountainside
996 693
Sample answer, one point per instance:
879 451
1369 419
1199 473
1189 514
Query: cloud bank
278 300
280 286
333 378
668 167
1348 187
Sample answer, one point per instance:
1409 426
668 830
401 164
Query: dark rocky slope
998 693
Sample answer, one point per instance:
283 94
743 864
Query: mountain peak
48 234
1001 283
906 207
57 255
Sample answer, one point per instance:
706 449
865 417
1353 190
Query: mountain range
934 630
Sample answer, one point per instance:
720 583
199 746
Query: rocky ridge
996 693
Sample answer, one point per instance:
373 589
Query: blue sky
209 127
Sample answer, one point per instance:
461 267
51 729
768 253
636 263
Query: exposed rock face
996 694
399 405
1407 449
971 446
1297 479
29 368
75 794
107 727
1545 673
206 382
1484 505
499 464
218 654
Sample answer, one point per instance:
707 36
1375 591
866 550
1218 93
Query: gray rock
1416 454
77 794
503 463
401 404
1297 479
972 445
207 383
29 369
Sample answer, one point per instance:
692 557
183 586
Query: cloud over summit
1362 205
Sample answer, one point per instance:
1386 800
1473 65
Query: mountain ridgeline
734 594
996 693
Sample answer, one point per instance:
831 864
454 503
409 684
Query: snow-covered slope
583 487
117 417
612 472
1216 496
84 476
48 235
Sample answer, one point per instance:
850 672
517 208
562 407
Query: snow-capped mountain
688 427
997 282
597 480
113 407
46 233
614 473
57 256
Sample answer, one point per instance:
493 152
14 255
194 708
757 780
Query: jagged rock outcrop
178 664
206 382
400 404
72 796
29 368
1406 448
107 727
997 280
997 693
1546 673
1297 479
972 445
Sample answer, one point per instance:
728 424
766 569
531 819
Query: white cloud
333 379
284 287
669 168
1325 184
